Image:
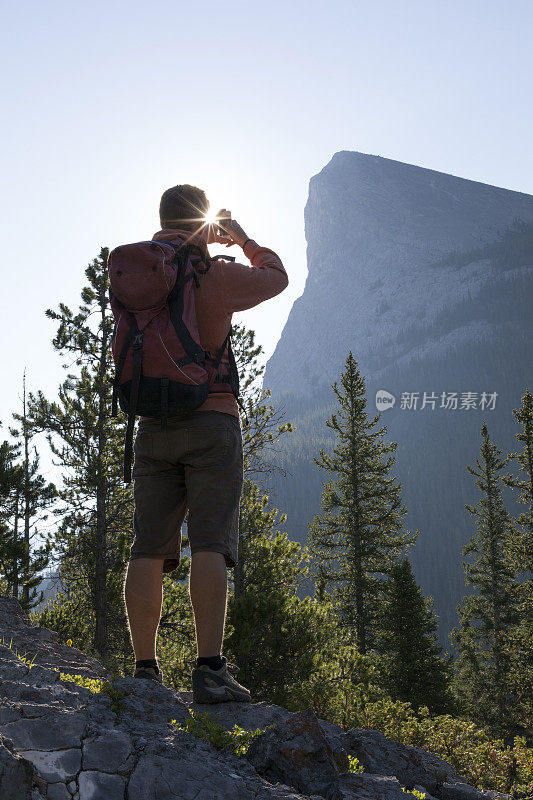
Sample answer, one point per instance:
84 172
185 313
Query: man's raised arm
245 287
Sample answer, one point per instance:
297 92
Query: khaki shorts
194 466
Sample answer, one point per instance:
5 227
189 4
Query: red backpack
160 366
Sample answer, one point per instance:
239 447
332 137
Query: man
196 464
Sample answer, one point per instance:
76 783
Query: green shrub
23 658
116 696
486 763
420 795
98 686
355 764
93 684
346 692
202 725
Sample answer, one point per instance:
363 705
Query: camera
224 215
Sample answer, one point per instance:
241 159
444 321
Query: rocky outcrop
60 741
18 776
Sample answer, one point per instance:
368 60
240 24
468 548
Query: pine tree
482 668
91 541
261 428
35 496
519 640
360 526
310 660
413 667
520 543
11 545
267 623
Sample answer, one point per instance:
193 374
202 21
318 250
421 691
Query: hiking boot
150 673
217 685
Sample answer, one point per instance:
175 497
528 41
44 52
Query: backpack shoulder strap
220 351
181 258
134 396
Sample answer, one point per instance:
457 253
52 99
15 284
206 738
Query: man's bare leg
208 584
143 594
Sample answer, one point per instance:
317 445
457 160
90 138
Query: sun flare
210 217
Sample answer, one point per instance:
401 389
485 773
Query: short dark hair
183 207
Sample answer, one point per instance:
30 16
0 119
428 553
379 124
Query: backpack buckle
199 358
138 341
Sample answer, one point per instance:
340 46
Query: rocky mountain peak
381 236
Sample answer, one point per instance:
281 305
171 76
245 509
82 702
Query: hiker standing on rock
173 305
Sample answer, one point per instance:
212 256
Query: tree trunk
238 571
101 633
26 561
15 570
359 611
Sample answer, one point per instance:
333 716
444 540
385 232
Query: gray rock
148 706
100 785
98 712
424 790
10 667
24 692
382 756
56 765
352 786
40 674
462 791
32 710
9 714
155 776
15 627
58 791
249 716
68 694
72 787
16 774
56 731
297 752
108 752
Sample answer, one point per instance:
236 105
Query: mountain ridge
371 250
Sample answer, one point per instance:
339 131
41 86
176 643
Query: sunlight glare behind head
210 217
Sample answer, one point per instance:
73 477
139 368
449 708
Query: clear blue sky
106 104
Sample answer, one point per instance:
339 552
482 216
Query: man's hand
233 233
